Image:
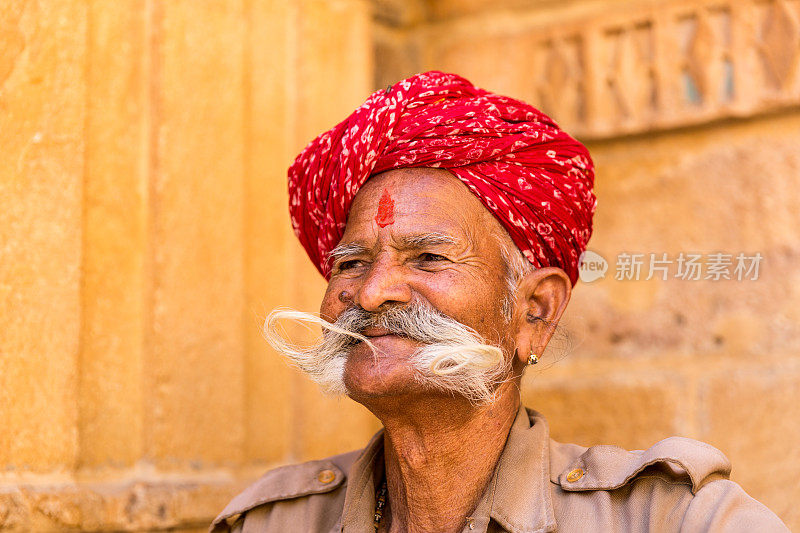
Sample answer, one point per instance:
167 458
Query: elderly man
449 222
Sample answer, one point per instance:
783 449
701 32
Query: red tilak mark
385 214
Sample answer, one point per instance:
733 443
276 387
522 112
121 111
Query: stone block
399 13
396 56
42 116
115 237
717 203
441 50
334 65
123 506
752 416
619 66
268 231
195 362
630 412
331 54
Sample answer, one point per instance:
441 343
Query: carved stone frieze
677 64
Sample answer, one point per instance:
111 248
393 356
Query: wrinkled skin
440 450
463 280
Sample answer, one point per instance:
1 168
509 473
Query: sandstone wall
144 235
690 109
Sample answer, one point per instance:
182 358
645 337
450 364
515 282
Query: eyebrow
344 250
420 240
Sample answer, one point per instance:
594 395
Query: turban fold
533 177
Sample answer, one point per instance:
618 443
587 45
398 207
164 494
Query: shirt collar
518 496
359 499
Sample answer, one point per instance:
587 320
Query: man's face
415 235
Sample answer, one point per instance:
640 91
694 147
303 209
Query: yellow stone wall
144 236
691 110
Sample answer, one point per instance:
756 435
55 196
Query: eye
431 258
349 264
350 267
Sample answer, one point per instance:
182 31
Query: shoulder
677 459
679 483
291 482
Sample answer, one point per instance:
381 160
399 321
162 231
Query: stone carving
560 86
677 64
779 44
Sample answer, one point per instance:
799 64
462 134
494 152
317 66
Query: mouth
374 332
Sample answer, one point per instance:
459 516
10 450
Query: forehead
423 200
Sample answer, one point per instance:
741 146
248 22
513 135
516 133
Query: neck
440 455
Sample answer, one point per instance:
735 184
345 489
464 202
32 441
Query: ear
541 299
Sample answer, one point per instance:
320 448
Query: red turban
533 177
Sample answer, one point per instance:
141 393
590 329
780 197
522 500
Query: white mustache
453 357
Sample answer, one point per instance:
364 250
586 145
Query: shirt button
326 476
575 475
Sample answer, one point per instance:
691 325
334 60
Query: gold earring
533 359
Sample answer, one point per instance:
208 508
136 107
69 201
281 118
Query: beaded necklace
380 503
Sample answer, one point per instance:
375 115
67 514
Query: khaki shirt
539 485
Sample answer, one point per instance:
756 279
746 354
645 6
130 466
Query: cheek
473 302
332 305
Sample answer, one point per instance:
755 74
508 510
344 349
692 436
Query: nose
385 284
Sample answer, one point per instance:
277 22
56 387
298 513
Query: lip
372 332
